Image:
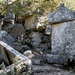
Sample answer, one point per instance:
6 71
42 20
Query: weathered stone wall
34 34
63 34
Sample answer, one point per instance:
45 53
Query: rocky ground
50 70
42 67
33 39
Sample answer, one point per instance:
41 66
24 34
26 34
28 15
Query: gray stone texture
42 47
15 30
5 37
63 34
62 14
24 47
28 52
57 59
48 30
35 38
63 38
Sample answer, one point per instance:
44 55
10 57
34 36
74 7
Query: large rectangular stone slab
9 54
63 32
62 40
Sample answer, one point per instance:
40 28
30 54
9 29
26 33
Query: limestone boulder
63 34
15 30
30 22
37 62
17 46
5 37
28 53
63 41
24 48
35 38
46 38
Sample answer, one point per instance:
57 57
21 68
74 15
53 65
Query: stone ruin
62 35
13 59
58 36
10 59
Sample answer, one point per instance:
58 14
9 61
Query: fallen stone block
14 59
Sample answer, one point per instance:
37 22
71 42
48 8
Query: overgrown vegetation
17 68
2 66
20 7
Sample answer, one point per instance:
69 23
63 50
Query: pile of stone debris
44 43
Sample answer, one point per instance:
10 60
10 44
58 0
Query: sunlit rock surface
63 38
62 14
63 33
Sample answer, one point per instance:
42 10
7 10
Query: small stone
35 38
36 61
24 47
30 22
48 30
15 30
28 53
